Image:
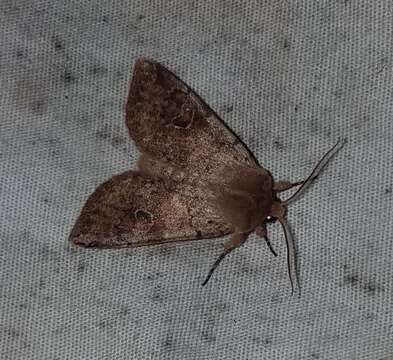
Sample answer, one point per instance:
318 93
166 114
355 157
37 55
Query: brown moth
195 179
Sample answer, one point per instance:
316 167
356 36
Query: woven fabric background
289 77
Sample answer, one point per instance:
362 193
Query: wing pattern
172 125
132 209
188 158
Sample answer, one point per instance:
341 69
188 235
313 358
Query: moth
195 179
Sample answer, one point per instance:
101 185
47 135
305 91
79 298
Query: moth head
279 207
277 211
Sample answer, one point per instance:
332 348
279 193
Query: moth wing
171 124
133 209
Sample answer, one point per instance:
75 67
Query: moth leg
262 232
235 241
283 185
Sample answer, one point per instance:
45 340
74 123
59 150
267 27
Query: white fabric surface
289 77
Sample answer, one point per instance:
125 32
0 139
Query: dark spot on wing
183 121
141 215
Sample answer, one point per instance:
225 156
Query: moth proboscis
195 178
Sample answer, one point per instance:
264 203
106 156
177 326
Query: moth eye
271 219
141 215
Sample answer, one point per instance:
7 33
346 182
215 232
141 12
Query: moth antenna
291 260
217 262
316 171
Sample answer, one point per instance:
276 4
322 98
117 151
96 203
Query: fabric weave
289 77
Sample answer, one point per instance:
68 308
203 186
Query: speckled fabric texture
289 77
